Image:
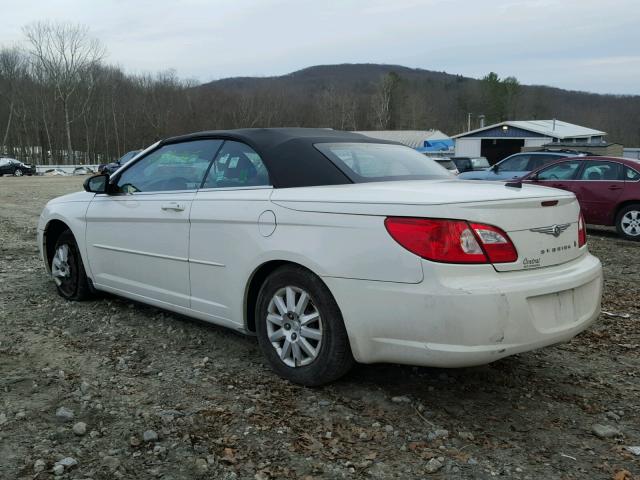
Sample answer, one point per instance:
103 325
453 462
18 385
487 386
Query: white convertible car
332 248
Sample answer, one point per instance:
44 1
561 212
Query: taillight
496 243
582 231
452 241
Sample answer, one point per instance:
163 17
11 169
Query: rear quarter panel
342 245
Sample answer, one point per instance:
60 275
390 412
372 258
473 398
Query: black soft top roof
289 153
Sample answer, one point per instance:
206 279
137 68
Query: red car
608 189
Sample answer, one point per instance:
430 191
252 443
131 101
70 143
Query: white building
500 140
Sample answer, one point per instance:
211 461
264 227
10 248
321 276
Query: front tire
17 172
67 269
300 328
628 222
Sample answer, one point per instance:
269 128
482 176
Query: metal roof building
410 138
500 140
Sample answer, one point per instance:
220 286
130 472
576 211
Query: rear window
480 162
446 163
602 170
374 162
515 163
631 174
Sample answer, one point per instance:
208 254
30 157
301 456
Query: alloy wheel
62 269
294 326
630 223
18 172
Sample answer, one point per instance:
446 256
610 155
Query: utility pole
468 122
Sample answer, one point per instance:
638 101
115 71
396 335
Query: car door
230 221
600 184
138 236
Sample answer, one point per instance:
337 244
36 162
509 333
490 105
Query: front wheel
300 329
628 222
67 269
17 172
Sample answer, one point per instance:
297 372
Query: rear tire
67 269
300 328
628 222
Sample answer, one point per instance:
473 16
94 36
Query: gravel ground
110 389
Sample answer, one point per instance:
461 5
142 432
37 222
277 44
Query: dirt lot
165 397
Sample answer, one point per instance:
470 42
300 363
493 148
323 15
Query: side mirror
97 183
495 168
534 177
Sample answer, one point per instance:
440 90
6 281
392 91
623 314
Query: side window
4 162
560 171
178 166
595 170
236 165
515 164
631 174
538 161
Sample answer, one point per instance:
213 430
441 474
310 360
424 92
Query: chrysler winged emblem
555 230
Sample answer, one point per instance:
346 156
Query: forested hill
91 112
374 96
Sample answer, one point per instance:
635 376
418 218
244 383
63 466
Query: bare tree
383 100
65 54
12 72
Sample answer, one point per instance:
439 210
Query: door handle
615 187
175 206
559 185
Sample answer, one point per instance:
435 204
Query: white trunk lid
543 235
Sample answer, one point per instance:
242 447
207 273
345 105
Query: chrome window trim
250 187
135 194
170 192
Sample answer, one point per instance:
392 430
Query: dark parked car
516 166
11 166
470 164
608 189
113 166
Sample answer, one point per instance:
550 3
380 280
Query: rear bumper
460 316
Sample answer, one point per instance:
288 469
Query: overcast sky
591 45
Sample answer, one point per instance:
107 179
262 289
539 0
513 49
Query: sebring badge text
536 262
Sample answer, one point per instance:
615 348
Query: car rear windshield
446 163
480 162
376 162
